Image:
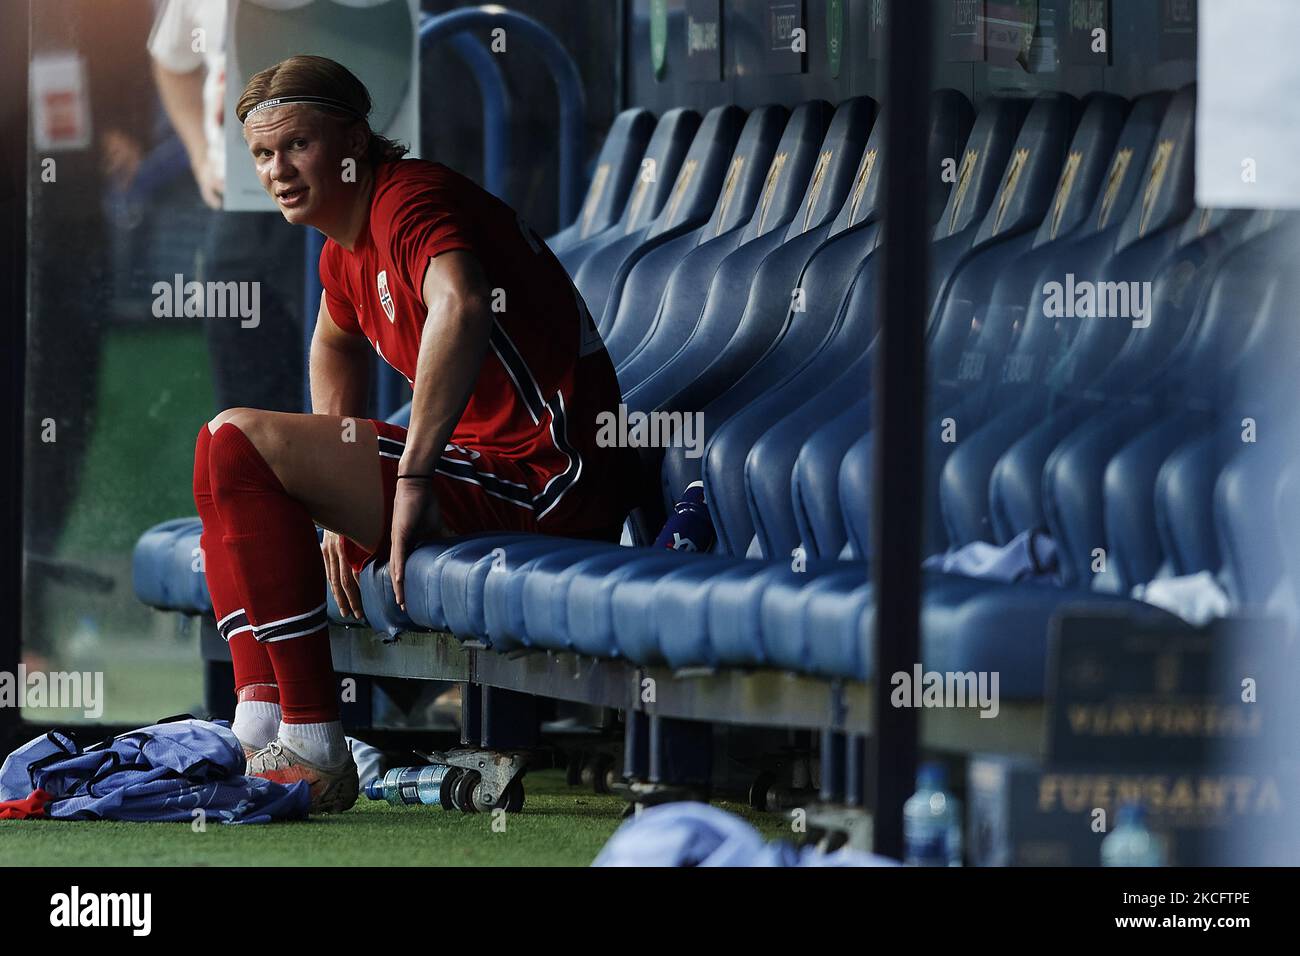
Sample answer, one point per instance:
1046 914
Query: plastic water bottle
1131 843
931 821
689 527
431 785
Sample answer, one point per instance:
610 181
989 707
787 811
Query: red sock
273 548
252 663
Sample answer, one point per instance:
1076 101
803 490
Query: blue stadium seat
548 604
600 589
752 304
851 203
1099 480
1183 492
604 607
815 499
637 321
656 173
577 583
162 564
611 182
825 343
680 319
1050 353
695 190
770 131
167 574
807 401
1148 236
785 202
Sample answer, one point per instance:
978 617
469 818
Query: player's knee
235 463
257 426
241 418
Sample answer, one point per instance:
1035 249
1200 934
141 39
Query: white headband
326 101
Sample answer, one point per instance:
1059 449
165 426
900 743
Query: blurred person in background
258 366
71 265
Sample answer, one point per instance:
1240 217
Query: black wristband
425 477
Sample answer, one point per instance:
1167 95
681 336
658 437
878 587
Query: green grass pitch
559 826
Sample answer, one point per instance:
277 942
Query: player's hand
342 579
416 518
211 184
122 157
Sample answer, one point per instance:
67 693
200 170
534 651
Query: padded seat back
795 165
1148 236
1013 399
841 156
788 187
818 343
682 309
1014 272
1153 121
1023 200
815 349
1149 510
996 242
642 297
653 182
611 181
688 204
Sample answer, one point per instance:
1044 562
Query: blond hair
322 78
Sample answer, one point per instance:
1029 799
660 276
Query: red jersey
546 376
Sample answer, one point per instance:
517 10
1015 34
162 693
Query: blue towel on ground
696 834
163 772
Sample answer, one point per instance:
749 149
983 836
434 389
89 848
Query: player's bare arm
339 368
457 324
182 98
340 381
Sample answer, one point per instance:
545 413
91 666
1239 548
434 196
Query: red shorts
476 491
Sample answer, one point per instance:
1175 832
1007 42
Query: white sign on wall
378 40
60 104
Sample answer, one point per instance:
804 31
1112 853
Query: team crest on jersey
386 297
